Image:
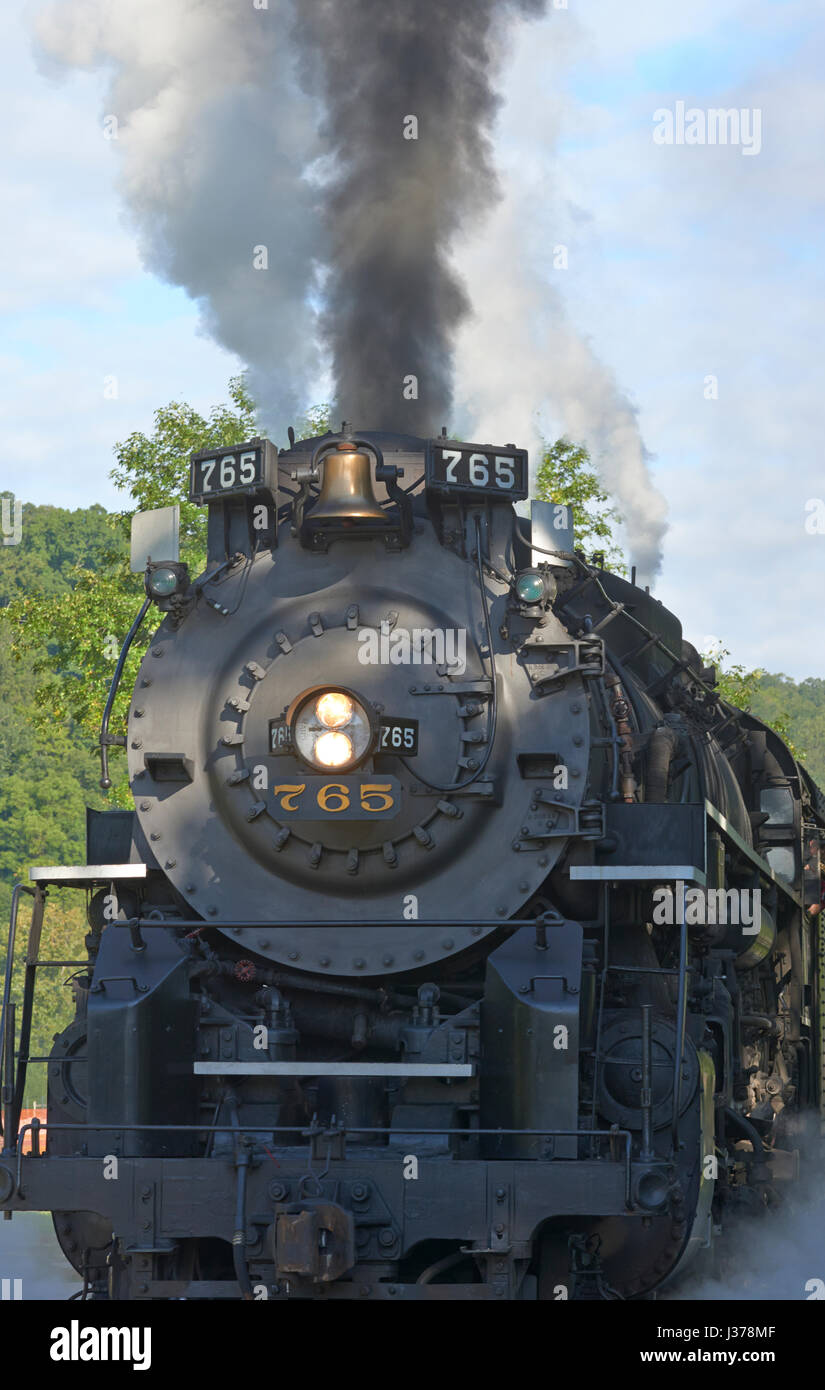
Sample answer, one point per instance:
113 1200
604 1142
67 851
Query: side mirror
155 537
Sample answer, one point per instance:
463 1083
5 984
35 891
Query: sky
692 278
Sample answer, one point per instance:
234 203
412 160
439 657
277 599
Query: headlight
334 709
331 728
333 750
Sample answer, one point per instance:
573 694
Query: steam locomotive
463 943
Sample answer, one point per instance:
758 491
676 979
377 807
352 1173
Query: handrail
680 1022
7 1063
350 1129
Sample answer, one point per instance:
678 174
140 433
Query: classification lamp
534 586
164 581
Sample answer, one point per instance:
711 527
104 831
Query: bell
347 501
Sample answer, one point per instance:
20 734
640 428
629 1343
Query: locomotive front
391 988
330 738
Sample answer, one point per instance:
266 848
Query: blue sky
683 262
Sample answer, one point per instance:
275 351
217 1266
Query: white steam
213 137
520 355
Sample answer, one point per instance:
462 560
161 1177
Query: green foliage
154 469
566 475
54 541
318 420
747 690
72 634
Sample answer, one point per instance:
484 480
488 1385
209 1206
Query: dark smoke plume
263 162
393 203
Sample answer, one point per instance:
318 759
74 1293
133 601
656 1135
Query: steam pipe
239 1237
647 1094
747 1131
105 739
663 742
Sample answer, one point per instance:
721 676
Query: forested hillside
47 775
49 768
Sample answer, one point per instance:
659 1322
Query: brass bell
347 499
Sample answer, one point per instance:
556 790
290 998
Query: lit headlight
334 709
333 750
331 728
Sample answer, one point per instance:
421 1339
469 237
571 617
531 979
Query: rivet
190 888
264 943
213 912
359 963
543 862
575 773
147 680
418 955
578 740
139 713
323 960
501 911
171 863
475 931
523 886
517 844
388 960
155 835
157 651
137 742
525 830
144 805
448 944
293 955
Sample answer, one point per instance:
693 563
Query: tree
740 687
73 637
566 475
